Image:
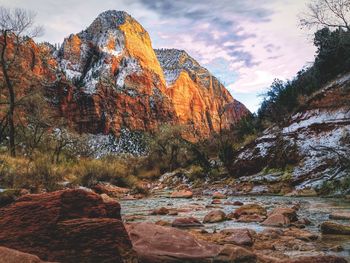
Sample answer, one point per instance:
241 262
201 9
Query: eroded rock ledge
66 226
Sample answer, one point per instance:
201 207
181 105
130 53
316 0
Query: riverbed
315 209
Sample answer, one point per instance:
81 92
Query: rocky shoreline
80 225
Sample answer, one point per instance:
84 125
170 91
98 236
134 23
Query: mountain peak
173 61
112 18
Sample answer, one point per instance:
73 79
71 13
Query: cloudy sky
245 43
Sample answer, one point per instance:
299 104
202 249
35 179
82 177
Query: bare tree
327 13
16 27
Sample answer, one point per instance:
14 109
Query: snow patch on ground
127 142
315 133
304 120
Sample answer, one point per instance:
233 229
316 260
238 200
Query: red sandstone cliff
108 77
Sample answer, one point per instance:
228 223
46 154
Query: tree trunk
10 116
11 122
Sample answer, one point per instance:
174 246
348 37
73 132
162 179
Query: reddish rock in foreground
66 226
158 244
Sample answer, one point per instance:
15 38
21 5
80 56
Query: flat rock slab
158 244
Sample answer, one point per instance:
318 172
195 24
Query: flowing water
316 209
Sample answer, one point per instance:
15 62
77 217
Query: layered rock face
66 226
314 142
199 99
122 82
114 67
108 79
31 71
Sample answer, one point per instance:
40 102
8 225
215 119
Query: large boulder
214 217
158 244
335 228
66 226
8 255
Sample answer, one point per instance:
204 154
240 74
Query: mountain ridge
114 55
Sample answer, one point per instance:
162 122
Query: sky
245 43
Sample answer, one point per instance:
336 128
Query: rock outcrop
108 80
66 226
312 144
121 82
114 66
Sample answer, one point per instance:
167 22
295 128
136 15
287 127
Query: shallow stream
315 209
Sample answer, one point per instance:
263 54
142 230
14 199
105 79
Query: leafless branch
327 13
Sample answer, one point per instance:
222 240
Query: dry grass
41 174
